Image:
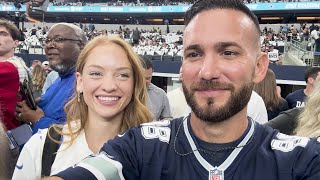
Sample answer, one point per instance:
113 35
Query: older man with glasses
62 47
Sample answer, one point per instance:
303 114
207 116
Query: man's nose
210 67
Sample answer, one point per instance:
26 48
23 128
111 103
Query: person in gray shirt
157 100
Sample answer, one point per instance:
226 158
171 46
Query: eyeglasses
46 41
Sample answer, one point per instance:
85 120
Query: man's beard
236 102
62 68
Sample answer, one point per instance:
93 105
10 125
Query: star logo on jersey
19 167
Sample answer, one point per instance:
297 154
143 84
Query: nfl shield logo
216 174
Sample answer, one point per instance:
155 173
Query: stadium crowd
157 42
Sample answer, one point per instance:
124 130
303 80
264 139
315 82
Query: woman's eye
123 75
95 74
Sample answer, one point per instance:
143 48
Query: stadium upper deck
140 3
163 12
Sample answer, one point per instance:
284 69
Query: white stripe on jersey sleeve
103 167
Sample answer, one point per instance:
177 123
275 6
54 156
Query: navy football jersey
168 150
296 99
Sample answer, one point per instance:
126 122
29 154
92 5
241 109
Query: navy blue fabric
296 99
143 158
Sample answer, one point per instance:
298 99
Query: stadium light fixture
271 18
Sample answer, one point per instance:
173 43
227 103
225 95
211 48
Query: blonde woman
38 80
309 118
110 97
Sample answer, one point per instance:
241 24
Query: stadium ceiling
174 18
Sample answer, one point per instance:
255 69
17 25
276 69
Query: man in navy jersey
298 97
217 141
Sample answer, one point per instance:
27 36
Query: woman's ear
262 65
79 86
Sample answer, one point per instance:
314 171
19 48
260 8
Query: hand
278 91
26 114
37 100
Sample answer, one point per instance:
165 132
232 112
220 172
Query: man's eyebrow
223 45
4 32
192 47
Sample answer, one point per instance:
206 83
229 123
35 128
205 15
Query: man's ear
79 86
261 68
82 44
310 80
16 43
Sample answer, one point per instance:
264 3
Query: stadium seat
167 58
156 58
177 58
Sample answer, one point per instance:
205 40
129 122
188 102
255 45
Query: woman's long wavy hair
309 119
135 113
38 77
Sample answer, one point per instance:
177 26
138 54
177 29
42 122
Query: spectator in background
158 102
274 55
9 40
267 89
303 121
309 120
315 41
110 98
29 5
33 30
38 79
46 67
257 109
177 101
62 47
136 36
51 77
12 70
34 63
286 122
305 33
9 86
297 98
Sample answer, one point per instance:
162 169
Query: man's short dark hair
204 5
311 72
146 62
12 28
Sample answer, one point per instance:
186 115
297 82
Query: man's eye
193 54
230 53
58 39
